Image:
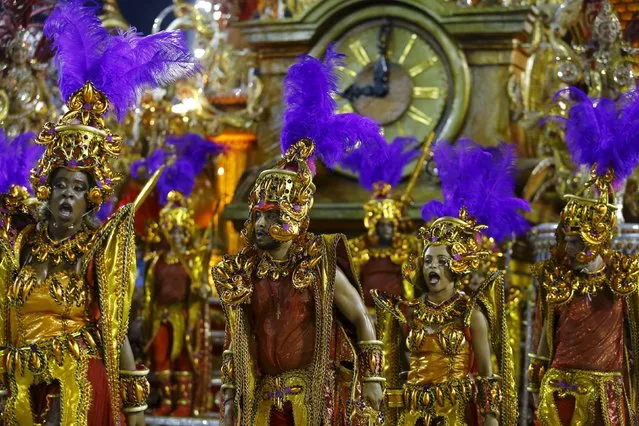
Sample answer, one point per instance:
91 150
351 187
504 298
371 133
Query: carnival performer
175 280
379 254
67 280
583 371
293 306
450 335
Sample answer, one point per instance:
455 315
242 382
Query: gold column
230 166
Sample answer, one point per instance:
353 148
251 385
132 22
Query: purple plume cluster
17 158
119 65
185 156
308 92
482 179
602 132
386 166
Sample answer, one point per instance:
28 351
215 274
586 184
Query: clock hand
381 67
380 87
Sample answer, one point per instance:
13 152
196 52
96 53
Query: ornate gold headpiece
79 141
462 235
381 207
594 219
177 212
289 190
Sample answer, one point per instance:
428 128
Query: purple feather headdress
194 147
602 132
120 65
17 157
385 167
481 179
189 154
308 92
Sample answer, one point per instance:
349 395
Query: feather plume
602 132
387 166
185 157
309 87
194 147
121 65
482 180
148 165
180 176
17 157
79 40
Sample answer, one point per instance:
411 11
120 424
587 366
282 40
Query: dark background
141 13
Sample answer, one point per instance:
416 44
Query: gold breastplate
439 350
64 288
43 309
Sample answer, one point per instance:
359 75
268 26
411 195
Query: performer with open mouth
451 335
66 281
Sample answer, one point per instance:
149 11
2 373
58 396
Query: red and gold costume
590 322
442 384
289 355
172 304
378 267
62 335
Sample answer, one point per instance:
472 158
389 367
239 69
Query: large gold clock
403 72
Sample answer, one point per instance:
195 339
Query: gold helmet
288 188
79 141
591 216
462 236
381 207
177 212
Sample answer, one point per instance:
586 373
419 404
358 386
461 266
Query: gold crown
463 237
79 141
291 191
177 212
592 218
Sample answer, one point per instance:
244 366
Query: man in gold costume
67 280
300 342
175 282
451 335
585 369
172 291
379 254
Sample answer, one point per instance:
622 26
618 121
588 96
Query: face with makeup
263 220
574 246
68 201
437 274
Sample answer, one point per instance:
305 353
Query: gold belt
278 389
36 356
587 387
579 382
426 398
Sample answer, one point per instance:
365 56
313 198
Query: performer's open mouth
433 278
65 210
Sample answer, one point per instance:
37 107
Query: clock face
397 74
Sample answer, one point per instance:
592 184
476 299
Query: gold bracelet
135 389
489 394
370 359
536 371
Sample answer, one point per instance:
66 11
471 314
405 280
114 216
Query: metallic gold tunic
54 328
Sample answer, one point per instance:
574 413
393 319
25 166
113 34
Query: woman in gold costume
450 335
66 280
